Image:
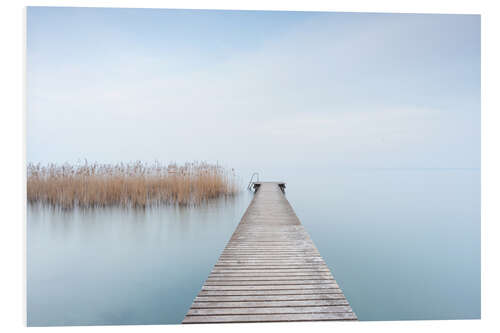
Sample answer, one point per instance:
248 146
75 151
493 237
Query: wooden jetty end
270 271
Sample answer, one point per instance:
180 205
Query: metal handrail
251 180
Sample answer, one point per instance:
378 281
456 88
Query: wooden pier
270 271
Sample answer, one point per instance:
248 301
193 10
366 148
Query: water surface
402 244
116 266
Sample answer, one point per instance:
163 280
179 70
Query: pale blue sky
254 90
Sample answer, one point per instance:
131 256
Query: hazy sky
254 90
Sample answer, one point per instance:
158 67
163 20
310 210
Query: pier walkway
269 271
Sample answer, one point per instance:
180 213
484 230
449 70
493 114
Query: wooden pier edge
269 271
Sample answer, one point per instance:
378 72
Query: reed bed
128 185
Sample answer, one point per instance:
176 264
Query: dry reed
128 185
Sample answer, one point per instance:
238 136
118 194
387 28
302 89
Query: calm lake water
403 245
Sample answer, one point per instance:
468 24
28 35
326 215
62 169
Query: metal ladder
249 187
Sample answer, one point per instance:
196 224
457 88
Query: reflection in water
403 244
123 266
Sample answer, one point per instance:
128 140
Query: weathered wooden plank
282 283
274 230
268 257
255 282
314 259
292 240
267 304
271 272
270 318
272 287
257 251
270 265
273 269
270 310
262 267
251 226
271 248
269 292
272 241
281 250
287 246
269 241
237 270
271 261
297 237
261 277
248 298
296 246
264 262
271 233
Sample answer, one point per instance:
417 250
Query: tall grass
128 185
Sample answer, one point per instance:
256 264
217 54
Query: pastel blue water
402 244
115 266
